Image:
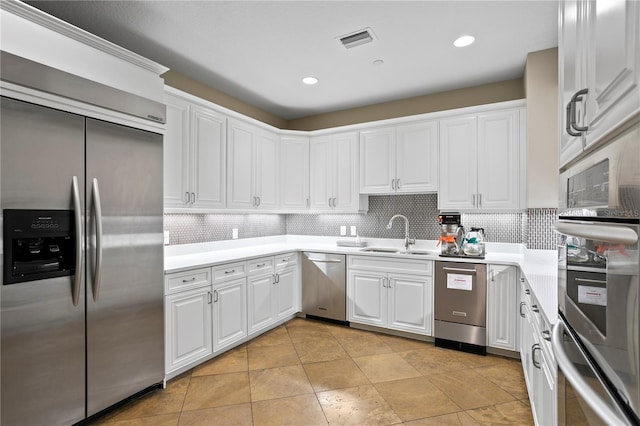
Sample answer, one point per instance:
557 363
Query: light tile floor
312 373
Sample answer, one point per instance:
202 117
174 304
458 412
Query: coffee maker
451 234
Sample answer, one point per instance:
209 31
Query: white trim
52 23
58 102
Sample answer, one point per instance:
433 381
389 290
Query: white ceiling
258 51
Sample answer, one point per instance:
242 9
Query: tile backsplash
533 227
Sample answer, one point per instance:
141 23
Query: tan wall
541 88
184 83
477 95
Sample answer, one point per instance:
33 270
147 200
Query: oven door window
588 290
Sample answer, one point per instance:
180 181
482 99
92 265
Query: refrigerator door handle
98 212
78 222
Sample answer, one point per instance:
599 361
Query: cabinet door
498 160
287 292
188 334
572 73
176 154
502 300
345 171
322 154
241 194
458 146
261 309
377 161
209 156
230 313
417 157
294 173
410 303
368 298
613 64
266 170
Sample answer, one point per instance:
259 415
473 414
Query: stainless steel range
460 306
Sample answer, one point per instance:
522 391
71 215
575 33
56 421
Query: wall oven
596 340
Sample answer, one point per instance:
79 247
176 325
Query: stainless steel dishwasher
324 286
461 306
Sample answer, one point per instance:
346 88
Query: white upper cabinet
252 167
294 173
399 159
194 156
334 174
599 70
480 161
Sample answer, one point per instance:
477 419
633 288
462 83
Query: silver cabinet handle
189 280
277 278
546 335
329 202
398 184
522 313
307 202
570 113
259 201
594 400
534 348
98 212
77 213
334 201
389 281
535 308
384 280
209 297
473 199
273 279
260 265
193 197
187 198
215 295
577 97
393 184
229 272
521 280
527 291
479 200
473 271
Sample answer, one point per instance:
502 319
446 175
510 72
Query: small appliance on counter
454 243
451 234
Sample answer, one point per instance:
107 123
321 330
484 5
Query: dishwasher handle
325 260
472 271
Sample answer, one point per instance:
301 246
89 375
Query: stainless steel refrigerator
82 274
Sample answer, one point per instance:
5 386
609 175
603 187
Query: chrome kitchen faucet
407 241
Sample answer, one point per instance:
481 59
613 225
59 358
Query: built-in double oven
596 340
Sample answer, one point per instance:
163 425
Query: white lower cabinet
229 306
538 363
273 290
391 293
187 327
502 300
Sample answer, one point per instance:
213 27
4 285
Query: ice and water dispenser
38 244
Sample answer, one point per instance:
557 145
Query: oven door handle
604 233
579 385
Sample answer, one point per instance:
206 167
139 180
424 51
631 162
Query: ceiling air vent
358 38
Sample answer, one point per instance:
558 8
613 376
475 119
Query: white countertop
538 266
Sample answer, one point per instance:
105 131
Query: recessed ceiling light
378 62
310 80
463 41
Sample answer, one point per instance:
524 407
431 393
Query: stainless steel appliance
81 294
324 286
596 340
460 306
451 234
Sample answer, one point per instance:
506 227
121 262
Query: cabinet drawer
185 280
229 271
391 264
261 266
284 260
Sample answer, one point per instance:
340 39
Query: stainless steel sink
380 250
398 250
